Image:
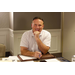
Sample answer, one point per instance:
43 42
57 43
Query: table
42 59
45 58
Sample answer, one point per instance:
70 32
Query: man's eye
39 25
35 24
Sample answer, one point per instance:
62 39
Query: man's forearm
42 46
44 49
27 52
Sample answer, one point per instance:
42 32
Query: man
35 42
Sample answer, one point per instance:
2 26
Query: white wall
69 35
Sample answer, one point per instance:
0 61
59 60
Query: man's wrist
37 38
33 54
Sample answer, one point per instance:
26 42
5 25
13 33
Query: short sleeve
47 40
24 41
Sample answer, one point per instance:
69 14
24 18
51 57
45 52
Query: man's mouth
37 29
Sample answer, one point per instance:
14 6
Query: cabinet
69 35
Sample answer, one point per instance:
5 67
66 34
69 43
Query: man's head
37 24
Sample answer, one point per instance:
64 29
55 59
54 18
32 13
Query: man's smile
37 29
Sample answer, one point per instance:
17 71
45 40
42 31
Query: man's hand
42 47
37 54
36 34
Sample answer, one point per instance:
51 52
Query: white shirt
29 41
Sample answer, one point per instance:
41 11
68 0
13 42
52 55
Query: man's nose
37 26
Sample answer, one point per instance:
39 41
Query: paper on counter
15 58
5 60
12 58
52 60
26 57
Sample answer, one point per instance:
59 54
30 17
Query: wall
4 19
4 29
22 20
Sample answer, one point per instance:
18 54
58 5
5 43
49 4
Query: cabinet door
69 35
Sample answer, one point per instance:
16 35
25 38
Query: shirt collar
32 33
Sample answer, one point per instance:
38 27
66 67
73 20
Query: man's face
37 25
